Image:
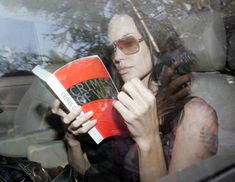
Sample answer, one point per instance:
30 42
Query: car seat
204 34
37 133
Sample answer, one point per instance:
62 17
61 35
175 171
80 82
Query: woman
194 136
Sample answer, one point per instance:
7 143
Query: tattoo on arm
209 137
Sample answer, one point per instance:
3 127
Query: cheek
145 55
145 60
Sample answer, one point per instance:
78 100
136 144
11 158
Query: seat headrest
30 114
231 51
218 90
204 35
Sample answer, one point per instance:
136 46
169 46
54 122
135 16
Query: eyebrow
124 36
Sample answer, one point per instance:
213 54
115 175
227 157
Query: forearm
76 158
151 160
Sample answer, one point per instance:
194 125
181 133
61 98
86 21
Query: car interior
28 128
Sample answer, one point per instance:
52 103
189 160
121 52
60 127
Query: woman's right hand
75 122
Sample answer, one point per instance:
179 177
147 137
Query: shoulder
199 108
199 115
200 122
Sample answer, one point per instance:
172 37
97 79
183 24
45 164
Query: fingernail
90 113
114 102
94 121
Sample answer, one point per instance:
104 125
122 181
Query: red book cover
87 83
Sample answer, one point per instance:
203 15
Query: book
86 82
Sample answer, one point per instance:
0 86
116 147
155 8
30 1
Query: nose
119 56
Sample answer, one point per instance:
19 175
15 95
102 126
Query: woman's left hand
137 105
172 90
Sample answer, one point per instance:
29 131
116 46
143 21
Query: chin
127 78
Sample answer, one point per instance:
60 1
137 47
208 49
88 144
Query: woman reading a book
170 131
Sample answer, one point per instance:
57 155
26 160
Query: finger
176 64
168 110
82 119
166 76
126 114
57 110
180 81
133 91
86 128
55 106
61 113
183 93
168 73
145 93
72 115
126 100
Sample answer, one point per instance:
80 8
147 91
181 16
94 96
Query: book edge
51 80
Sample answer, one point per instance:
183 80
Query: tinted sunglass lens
129 45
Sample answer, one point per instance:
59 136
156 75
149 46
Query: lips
124 70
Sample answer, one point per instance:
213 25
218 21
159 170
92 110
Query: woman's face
136 65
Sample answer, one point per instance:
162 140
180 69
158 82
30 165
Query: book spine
70 103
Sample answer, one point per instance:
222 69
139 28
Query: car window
46 32
41 32
52 33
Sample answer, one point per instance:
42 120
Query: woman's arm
196 136
137 105
151 160
140 109
73 123
76 156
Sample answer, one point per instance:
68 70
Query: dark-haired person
162 144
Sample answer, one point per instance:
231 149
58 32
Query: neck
145 80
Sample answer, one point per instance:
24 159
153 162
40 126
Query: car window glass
55 32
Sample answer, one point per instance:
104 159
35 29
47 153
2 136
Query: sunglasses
128 44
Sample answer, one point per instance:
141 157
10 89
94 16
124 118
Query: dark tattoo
209 137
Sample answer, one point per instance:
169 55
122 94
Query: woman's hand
171 90
137 105
75 122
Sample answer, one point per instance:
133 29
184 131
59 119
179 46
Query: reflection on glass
65 30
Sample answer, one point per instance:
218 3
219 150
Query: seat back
218 90
204 34
35 130
31 112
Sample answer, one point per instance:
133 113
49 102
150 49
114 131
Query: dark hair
171 50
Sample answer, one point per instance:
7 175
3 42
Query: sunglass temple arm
145 27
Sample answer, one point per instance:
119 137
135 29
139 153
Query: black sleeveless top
116 158
112 160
